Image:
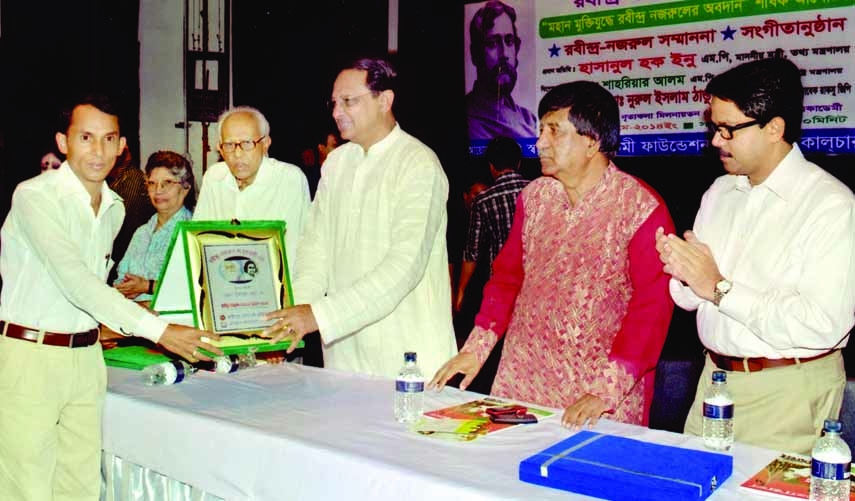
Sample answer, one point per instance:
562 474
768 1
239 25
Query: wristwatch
722 287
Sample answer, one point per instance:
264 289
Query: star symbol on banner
727 33
553 51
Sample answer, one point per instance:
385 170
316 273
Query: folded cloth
612 467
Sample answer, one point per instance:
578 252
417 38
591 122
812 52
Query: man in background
372 272
769 265
492 211
330 142
128 181
313 159
494 47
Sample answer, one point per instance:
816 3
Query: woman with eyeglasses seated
172 190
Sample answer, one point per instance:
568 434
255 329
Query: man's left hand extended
291 324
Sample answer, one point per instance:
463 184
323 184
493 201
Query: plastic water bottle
718 414
227 364
830 465
409 390
164 373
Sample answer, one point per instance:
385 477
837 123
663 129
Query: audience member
494 47
172 189
578 287
50 161
492 211
331 141
54 261
769 265
128 180
372 267
313 159
472 192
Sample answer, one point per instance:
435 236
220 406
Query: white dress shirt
788 246
55 258
279 192
373 262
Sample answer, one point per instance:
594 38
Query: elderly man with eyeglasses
249 185
769 265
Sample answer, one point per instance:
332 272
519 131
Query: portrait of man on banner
499 66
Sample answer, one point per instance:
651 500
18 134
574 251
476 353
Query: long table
294 432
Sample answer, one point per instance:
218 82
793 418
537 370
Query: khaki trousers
51 400
781 408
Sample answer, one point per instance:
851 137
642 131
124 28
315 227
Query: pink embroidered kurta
581 293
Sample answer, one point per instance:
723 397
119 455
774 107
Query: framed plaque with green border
223 277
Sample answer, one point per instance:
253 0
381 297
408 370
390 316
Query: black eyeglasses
346 102
726 131
247 145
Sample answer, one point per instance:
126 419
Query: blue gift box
612 467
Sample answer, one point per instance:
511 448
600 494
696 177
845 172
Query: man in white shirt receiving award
372 266
55 257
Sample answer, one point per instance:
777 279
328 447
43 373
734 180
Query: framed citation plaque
224 277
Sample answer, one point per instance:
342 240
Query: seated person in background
128 181
581 235
50 161
172 190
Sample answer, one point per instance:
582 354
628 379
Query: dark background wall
286 56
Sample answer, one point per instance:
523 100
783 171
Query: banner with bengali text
656 57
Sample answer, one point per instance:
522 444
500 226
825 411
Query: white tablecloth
294 432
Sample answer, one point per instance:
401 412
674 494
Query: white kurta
372 261
280 192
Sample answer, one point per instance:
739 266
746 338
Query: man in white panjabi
372 266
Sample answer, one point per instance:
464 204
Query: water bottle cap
832 425
719 377
410 356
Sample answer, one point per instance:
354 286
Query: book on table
788 475
468 421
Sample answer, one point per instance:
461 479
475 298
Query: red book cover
467 421
787 475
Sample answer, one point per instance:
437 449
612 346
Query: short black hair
381 74
593 111
101 101
763 90
504 153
